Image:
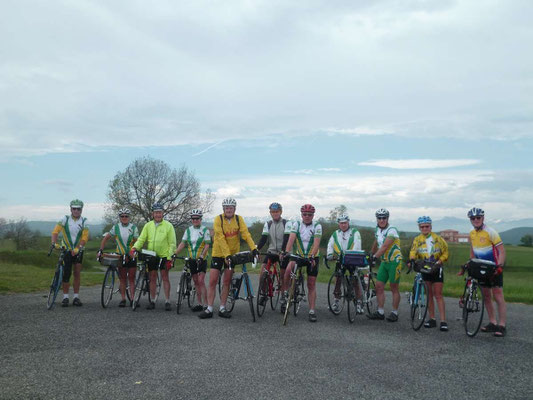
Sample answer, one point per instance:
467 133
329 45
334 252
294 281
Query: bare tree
21 234
147 181
339 210
3 226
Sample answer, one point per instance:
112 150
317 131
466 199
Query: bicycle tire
192 297
276 291
107 287
181 292
54 287
139 286
289 301
157 286
419 307
262 293
473 310
331 295
370 296
351 301
249 294
232 296
299 294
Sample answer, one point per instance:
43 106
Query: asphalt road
92 353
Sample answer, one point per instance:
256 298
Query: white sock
222 308
311 311
210 308
381 311
65 296
395 312
76 295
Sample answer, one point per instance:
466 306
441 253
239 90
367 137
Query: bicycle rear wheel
289 300
262 293
335 294
419 307
351 302
181 292
107 287
276 291
54 288
371 299
192 298
249 294
473 309
139 286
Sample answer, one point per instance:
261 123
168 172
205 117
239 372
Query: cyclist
197 240
343 239
387 247
431 247
276 232
160 237
75 234
306 235
125 234
229 229
486 244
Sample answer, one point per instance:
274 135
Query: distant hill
513 236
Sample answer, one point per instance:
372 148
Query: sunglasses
75 208
307 214
383 218
195 218
475 218
424 226
124 216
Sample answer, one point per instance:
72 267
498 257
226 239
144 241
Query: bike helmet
157 207
475 212
275 206
343 218
124 211
76 203
229 201
307 208
382 212
196 213
424 220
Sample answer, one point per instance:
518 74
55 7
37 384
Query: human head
275 211
76 207
196 217
424 224
229 204
344 222
382 217
124 215
157 212
477 217
308 212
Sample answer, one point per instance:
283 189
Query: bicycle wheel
473 309
248 290
351 302
233 294
289 300
54 287
299 293
192 296
139 286
333 294
276 291
371 299
262 293
107 287
419 307
181 291
157 286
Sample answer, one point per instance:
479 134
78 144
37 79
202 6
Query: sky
419 106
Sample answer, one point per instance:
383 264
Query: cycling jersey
305 235
427 246
274 232
343 241
72 230
124 235
393 253
227 241
484 243
159 237
196 238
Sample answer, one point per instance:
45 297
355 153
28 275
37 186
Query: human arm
386 244
290 242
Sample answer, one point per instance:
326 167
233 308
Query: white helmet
124 211
196 213
343 218
382 212
229 201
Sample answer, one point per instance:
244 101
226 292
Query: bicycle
297 288
142 283
417 298
269 287
353 271
112 261
185 286
473 303
57 280
241 258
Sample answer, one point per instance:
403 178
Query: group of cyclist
284 237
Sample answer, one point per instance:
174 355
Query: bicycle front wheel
299 293
351 302
371 299
262 293
335 294
157 286
289 300
419 307
249 294
107 287
192 298
181 291
473 309
139 285
54 287
276 291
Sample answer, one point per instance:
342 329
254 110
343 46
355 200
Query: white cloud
419 163
94 212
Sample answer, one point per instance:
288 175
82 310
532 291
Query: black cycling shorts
494 282
67 266
438 277
311 271
275 258
155 263
197 267
218 263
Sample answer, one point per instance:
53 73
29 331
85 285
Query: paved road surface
92 353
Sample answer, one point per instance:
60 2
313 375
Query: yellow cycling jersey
393 252
73 231
426 246
228 234
484 243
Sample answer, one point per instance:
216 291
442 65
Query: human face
75 211
477 222
196 221
383 222
158 216
275 214
124 219
344 225
425 228
307 217
229 211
